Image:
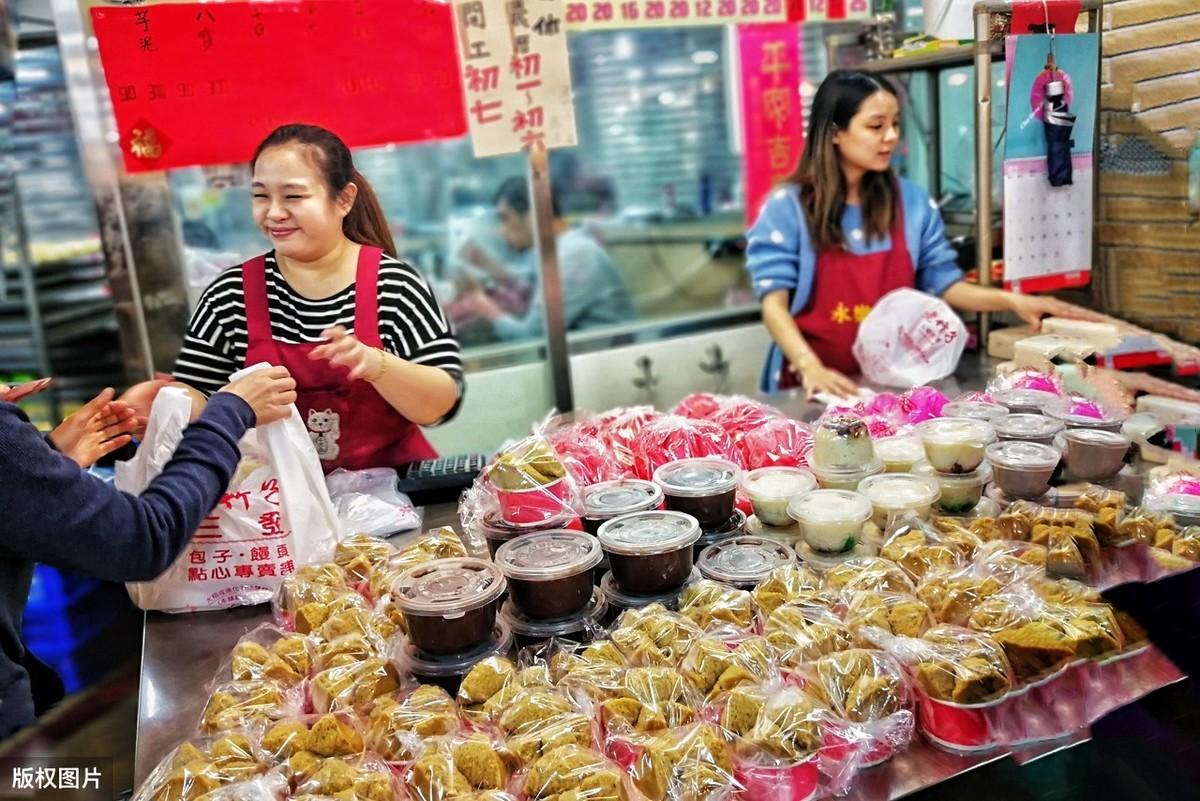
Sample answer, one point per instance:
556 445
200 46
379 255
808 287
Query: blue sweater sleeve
60 515
773 247
935 261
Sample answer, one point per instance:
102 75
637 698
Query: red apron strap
366 297
254 288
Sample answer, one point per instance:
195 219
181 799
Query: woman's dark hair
819 176
366 223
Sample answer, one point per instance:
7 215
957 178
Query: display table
182 653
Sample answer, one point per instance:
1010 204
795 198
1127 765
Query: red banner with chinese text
772 124
203 83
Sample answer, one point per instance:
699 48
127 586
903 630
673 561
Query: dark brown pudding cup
448 671
450 605
583 627
609 499
742 562
650 553
619 601
705 488
496 532
733 527
550 574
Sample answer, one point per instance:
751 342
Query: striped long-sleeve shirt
411 323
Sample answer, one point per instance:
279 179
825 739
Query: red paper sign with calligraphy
772 124
203 83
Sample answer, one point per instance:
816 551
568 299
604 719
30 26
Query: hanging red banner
203 83
772 124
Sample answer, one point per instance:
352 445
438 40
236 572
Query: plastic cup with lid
1028 428
1023 469
960 494
1094 454
608 499
771 488
650 553
832 520
1024 401
975 410
901 453
550 574
955 445
450 604
703 487
743 562
894 494
845 479
842 442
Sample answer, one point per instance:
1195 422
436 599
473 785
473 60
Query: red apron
351 424
845 287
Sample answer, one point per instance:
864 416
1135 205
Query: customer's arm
57 514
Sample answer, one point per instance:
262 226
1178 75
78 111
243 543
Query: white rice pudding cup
770 489
900 454
893 494
842 442
955 445
959 494
832 520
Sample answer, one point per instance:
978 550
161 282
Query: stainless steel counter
181 654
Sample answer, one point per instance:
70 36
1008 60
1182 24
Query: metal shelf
945 58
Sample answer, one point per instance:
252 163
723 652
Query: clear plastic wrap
246 704
1107 507
920 547
269 654
1187 544
528 483
779 735
654 636
362 779
872 699
952 596
1020 622
536 721
688 764
586 456
367 502
650 699
354 684
784 584
458 767
1147 527
399 726
870 574
1010 561
799 634
199 767
618 428
714 666
709 604
776 441
739 416
574 773
361 555
670 438
303 600
894 614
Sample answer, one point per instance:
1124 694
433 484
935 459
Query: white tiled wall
502 404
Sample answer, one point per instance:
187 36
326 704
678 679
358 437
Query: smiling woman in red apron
360 331
843 231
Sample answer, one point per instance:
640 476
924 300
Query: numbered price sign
601 14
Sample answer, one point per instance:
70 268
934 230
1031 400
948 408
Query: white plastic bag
275 518
367 502
909 339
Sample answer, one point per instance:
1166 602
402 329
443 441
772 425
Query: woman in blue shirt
843 231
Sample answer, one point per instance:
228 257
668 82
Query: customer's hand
100 427
346 350
1032 308
270 393
817 378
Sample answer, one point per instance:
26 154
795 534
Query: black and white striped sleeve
209 354
413 325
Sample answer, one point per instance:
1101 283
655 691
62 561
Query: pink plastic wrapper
587 458
700 406
778 441
1082 407
618 428
921 404
1030 379
740 416
672 437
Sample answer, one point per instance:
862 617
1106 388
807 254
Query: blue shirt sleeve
934 260
773 246
60 515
